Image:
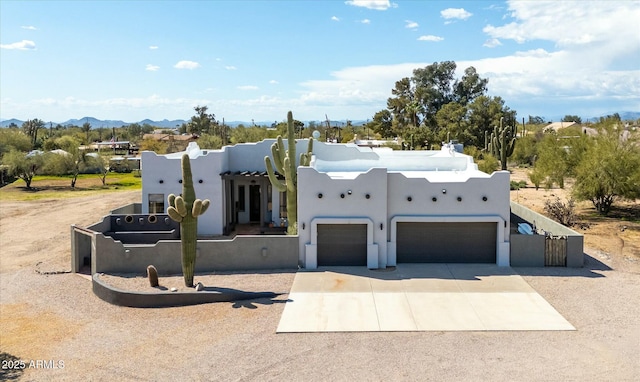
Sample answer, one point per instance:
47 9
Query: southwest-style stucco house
356 205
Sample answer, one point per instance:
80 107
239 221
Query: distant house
175 142
561 125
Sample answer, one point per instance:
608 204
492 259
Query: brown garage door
446 242
342 244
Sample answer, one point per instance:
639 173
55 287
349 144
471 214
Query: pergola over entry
259 197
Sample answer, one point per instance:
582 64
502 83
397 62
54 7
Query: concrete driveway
416 297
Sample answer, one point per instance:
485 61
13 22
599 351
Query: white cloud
22 45
365 21
153 47
455 13
334 18
186 65
248 87
492 43
29 27
430 37
411 24
273 82
379 5
152 68
230 67
602 25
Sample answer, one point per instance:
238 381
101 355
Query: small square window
156 203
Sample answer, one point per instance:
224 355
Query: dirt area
57 320
615 238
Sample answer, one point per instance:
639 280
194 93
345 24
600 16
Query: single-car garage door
421 242
342 244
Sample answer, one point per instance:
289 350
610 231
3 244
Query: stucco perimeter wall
575 241
331 206
129 209
241 253
162 175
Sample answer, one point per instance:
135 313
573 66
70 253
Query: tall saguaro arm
185 210
284 161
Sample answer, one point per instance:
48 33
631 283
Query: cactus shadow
246 299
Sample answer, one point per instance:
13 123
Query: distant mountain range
97 123
167 124
164 124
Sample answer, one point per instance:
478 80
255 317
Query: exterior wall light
484 198
459 198
409 199
434 199
349 192
320 195
444 191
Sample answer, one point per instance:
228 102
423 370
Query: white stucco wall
332 206
206 166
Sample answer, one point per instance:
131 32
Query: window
283 204
156 203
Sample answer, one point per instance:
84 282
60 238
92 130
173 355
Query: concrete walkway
416 297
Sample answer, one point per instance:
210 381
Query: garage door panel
430 242
342 244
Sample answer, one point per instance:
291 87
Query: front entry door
254 203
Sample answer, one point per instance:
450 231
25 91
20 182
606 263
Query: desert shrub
489 164
515 185
536 177
562 212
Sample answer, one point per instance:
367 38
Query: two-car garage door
438 242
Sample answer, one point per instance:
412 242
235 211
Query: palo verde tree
609 170
22 165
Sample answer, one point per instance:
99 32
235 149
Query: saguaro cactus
185 209
503 141
285 164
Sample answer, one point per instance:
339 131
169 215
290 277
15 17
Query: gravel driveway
57 318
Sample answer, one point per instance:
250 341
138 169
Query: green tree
210 142
382 124
609 170
485 113
202 123
31 128
552 160
572 118
453 122
13 139
149 144
22 165
86 128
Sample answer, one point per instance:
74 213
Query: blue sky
131 60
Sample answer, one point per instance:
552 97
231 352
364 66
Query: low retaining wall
529 250
120 297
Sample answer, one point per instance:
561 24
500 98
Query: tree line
426 109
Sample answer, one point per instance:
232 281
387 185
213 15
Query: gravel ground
57 318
